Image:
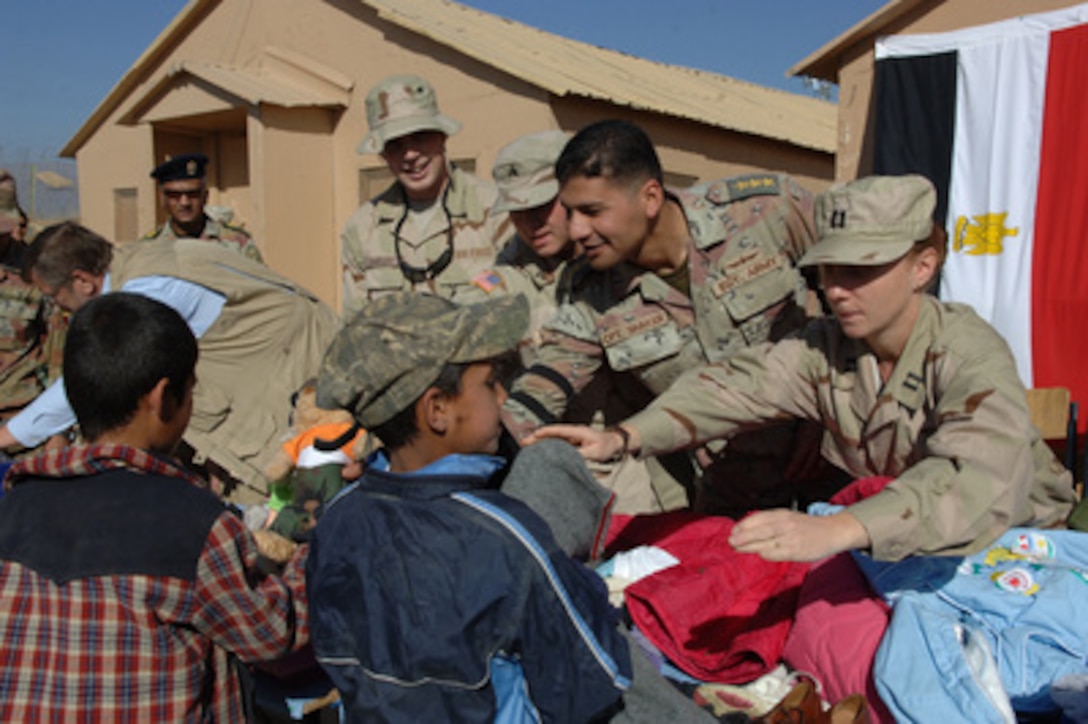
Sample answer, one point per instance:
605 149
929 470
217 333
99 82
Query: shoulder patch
151 234
235 228
743 187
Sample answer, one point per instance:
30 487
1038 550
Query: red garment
860 489
719 615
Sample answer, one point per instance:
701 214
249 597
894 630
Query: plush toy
325 452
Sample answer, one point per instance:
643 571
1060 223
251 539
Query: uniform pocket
639 338
379 281
754 283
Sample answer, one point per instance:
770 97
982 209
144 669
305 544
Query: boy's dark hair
118 348
62 249
401 429
614 149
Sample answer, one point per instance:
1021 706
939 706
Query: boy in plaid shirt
129 591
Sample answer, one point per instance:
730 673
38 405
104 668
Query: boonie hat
396 346
399 105
871 221
179 168
10 213
524 170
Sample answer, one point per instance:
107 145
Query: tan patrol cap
871 221
400 105
524 170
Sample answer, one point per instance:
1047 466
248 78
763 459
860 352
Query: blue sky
61 57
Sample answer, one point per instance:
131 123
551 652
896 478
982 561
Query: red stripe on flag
1060 254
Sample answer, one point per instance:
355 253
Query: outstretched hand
596 445
786 535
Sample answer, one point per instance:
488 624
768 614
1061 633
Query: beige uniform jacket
951 425
747 235
229 236
471 233
745 290
268 340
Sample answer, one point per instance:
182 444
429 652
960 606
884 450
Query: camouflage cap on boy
400 105
396 346
524 170
871 221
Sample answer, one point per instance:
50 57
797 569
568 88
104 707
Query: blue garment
50 413
971 639
436 598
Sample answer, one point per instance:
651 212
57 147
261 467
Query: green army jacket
950 424
32 333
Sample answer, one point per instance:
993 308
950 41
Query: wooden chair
1055 415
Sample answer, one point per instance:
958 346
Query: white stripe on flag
995 174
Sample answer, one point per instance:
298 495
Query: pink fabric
839 621
720 615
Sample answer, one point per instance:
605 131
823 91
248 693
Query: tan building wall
854 154
291 175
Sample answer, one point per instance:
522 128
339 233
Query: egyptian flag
997 117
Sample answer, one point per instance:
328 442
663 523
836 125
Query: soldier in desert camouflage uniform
13 222
32 329
532 264
32 332
907 387
433 230
184 196
668 282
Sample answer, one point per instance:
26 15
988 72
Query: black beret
189 165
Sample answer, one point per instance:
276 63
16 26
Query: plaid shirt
138 647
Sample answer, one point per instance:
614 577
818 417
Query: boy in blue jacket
435 597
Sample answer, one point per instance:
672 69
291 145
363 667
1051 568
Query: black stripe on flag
915 120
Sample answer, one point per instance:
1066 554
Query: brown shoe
800 706
851 710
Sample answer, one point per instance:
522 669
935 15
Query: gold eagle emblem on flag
982 234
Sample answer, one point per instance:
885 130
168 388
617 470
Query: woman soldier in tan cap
906 387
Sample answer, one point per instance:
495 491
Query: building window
125 216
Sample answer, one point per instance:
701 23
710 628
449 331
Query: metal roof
262 86
561 66
566 67
825 62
